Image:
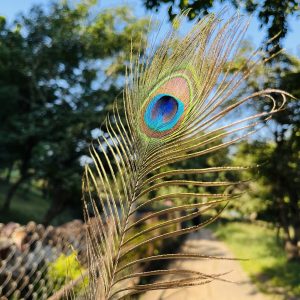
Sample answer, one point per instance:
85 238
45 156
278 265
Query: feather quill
177 105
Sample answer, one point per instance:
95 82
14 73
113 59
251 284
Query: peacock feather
180 102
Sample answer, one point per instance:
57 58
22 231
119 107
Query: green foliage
277 192
273 192
267 265
214 159
255 197
272 14
64 269
60 69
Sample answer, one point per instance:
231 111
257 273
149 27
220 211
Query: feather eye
163 112
165 108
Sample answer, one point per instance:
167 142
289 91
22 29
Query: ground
241 287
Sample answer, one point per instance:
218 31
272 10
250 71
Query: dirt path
204 243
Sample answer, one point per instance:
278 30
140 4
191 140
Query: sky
10 8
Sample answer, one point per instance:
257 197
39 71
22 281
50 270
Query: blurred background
62 63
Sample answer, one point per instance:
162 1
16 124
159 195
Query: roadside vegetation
267 262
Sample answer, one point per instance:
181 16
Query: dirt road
203 242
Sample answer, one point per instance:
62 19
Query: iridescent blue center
163 112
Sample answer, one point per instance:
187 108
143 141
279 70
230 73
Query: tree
283 171
60 69
278 157
272 14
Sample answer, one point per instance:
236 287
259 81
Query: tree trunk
8 175
292 251
57 206
11 192
25 159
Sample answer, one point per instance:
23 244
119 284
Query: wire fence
34 258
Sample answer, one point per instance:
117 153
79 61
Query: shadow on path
203 242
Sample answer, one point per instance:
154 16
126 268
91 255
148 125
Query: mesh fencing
34 259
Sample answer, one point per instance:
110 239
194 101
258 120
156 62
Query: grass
28 204
267 266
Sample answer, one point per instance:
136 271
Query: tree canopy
62 66
272 14
60 69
